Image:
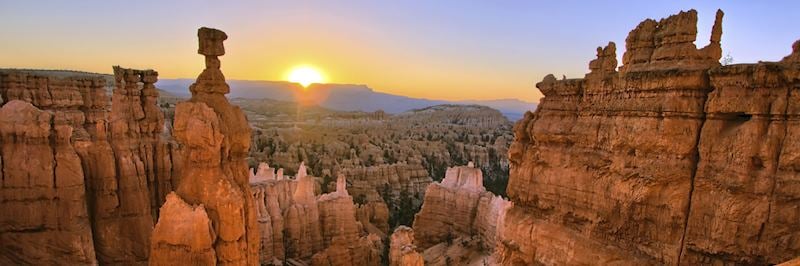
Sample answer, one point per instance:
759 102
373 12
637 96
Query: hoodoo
215 138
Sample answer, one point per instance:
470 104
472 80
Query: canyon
669 158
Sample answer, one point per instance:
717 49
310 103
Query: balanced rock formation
299 226
123 162
672 159
215 138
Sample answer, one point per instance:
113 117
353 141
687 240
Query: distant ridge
344 97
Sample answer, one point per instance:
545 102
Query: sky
452 50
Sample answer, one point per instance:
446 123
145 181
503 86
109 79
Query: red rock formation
44 217
183 234
744 205
372 185
460 222
451 209
304 235
671 159
402 251
215 138
296 225
124 166
341 234
118 201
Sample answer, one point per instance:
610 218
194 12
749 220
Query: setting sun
305 75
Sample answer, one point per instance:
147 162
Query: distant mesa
346 97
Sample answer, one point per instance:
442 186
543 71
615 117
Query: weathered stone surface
451 209
184 234
669 44
793 262
672 159
460 222
381 190
402 251
43 217
447 211
323 230
744 204
215 138
125 164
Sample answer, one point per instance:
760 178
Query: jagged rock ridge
114 163
297 225
672 159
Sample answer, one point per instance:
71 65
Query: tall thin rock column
215 139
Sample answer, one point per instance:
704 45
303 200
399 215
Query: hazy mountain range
344 97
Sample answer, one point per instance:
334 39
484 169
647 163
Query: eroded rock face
125 165
672 159
744 204
298 225
215 138
451 209
402 251
384 190
44 217
460 222
183 234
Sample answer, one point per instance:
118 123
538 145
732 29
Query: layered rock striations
215 138
671 159
127 163
402 251
388 195
299 225
44 216
121 155
459 206
745 202
459 222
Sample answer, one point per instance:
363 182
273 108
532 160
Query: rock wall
215 138
121 155
459 206
402 251
672 159
44 217
459 223
184 234
747 178
298 225
386 192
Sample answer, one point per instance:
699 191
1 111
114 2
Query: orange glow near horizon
305 75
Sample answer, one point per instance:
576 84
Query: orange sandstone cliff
459 223
298 226
670 159
80 177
